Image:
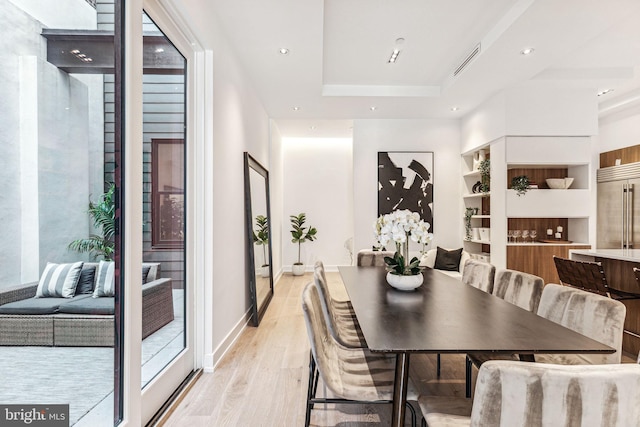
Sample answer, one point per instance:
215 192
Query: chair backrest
585 275
511 393
478 274
369 258
587 313
518 288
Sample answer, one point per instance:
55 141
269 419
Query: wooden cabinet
538 259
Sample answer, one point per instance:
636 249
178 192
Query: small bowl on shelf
559 183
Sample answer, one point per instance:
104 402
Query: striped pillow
59 280
105 280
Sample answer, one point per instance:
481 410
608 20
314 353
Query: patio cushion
87 280
59 280
105 280
103 305
36 305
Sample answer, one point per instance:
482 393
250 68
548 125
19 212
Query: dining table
444 315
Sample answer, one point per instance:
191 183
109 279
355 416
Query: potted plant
261 238
300 234
485 175
103 213
400 227
468 213
520 184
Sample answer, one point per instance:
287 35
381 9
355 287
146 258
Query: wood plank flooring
262 381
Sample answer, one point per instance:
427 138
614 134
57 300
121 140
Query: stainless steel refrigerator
618 210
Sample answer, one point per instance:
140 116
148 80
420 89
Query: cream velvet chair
531 394
521 289
352 375
429 260
587 313
478 274
369 258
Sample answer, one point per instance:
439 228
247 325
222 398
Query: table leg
400 389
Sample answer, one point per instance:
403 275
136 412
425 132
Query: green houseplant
520 184
300 234
485 175
261 238
103 214
468 213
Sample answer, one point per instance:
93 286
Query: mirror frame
257 313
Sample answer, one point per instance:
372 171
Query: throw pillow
105 280
87 280
448 260
59 280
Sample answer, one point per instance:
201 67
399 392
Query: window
167 183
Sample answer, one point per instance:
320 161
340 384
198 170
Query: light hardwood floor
262 381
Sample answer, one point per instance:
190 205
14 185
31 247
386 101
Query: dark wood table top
446 316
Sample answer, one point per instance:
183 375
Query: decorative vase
297 269
404 283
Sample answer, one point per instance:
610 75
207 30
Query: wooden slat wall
163 117
538 176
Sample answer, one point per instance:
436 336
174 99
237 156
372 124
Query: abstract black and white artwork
405 181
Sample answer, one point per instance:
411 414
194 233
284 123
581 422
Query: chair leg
424 422
311 390
438 365
413 414
468 373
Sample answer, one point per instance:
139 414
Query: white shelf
548 244
480 216
548 204
482 242
476 195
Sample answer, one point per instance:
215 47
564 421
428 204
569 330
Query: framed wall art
405 181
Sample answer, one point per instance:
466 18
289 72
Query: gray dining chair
478 274
352 375
521 289
369 258
511 393
341 320
595 316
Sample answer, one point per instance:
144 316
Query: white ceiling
337 65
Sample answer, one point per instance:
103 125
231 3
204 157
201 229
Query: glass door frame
139 405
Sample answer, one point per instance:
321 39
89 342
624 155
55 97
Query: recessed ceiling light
527 51
75 51
159 50
374 108
296 108
604 92
284 50
394 56
454 108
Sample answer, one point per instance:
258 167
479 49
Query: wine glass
533 234
525 236
509 235
516 235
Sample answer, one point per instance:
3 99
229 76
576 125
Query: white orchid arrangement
400 227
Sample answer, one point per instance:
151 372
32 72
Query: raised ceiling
337 66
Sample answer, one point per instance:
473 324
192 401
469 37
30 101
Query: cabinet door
611 215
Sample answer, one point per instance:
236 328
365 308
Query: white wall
276 182
318 180
619 130
442 137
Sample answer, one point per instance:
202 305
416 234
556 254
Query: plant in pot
401 227
520 184
261 238
485 175
103 214
468 213
300 234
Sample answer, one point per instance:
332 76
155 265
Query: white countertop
632 255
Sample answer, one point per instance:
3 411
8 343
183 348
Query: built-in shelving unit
479 246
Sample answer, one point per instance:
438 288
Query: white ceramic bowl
559 183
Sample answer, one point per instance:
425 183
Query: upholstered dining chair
341 320
513 393
478 274
595 316
352 375
521 289
369 258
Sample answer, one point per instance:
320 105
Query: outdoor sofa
82 320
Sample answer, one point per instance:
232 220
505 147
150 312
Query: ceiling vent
467 60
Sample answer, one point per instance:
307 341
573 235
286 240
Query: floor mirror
258 237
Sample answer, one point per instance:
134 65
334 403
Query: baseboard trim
226 344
